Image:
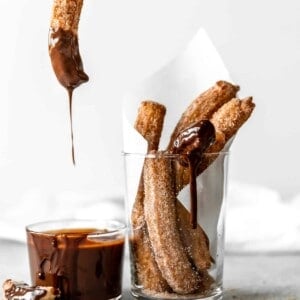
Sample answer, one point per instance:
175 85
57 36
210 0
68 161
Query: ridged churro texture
227 120
161 218
66 15
204 106
149 123
144 265
232 115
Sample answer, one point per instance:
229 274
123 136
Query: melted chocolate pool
80 267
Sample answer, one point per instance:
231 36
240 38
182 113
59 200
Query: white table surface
246 276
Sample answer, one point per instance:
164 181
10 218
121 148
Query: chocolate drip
70 94
190 144
67 65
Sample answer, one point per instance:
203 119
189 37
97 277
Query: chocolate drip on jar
74 264
191 144
67 65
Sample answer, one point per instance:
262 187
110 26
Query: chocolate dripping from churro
67 65
191 144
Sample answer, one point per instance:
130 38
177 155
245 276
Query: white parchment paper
175 86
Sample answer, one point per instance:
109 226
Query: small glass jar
172 255
81 259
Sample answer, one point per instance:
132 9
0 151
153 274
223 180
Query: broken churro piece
17 290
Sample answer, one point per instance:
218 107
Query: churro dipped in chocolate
227 120
64 49
204 106
63 43
190 144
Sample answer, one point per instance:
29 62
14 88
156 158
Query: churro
149 123
204 106
63 43
161 218
227 120
64 49
190 144
195 240
232 115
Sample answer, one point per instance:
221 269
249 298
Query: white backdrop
121 43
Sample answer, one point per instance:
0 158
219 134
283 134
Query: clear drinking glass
81 258
170 259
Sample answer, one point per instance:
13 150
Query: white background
121 43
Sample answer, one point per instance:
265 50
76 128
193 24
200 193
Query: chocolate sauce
70 94
67 65
80 267
190 144
21 291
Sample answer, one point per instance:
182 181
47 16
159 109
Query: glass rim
113 226
168 155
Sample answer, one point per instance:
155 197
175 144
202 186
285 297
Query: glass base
116 298
216 294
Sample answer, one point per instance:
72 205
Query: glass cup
176 225
81 258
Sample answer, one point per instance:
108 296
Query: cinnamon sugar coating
66 15
204 106
161 218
